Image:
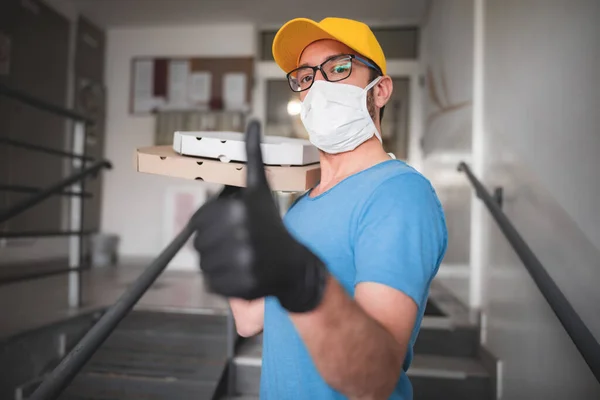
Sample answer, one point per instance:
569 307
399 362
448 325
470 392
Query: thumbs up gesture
245 249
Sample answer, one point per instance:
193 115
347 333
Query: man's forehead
320 50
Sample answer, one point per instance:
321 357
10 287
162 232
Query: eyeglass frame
319 68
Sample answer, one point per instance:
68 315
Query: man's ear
383 91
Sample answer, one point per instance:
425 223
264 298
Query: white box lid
231 146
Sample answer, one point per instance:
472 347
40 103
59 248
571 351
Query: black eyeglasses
334 69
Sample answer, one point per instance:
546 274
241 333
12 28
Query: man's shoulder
399 189
396 169
395 177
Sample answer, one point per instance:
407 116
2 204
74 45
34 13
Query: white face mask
336 116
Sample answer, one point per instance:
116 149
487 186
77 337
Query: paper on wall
179 71
234 91
143 96
200 86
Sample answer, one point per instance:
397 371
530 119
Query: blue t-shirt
384 224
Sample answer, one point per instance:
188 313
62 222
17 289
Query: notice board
190 83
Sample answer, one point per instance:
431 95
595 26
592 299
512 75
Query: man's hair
373 74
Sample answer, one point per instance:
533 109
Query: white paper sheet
143 96
199 88
234 91
179 71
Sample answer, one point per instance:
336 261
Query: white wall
539 359
446 51
133 203
541 141
446 55
542 63
542 126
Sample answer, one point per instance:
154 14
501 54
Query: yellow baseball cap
293 37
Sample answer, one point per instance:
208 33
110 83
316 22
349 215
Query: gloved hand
245 249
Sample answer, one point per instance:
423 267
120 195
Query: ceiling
117 13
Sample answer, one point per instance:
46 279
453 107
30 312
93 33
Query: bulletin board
190 83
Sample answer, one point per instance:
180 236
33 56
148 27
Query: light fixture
294 107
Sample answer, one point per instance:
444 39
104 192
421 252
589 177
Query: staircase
153 356
156 355
448 364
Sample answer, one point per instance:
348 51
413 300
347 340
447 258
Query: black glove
246 251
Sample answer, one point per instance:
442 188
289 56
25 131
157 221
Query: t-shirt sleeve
401 236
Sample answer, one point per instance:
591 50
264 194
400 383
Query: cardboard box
231 146
163 160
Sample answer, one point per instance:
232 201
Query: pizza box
231 146
163 160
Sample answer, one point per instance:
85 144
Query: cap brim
292 39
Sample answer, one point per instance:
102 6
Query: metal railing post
75 218
231 340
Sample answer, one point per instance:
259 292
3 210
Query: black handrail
42 105
42 274
39 234
42 149
63 374
576 329
49 191
33 189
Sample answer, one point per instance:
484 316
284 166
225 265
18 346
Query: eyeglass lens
333 70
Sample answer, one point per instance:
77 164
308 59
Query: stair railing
582 337
73 182
43 194
56 381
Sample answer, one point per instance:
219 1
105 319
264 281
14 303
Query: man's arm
359 346
249 315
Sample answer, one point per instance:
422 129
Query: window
283 111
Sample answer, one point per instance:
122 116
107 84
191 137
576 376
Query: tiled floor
30 304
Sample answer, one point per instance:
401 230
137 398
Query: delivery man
339 287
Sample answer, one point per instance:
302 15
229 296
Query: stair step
438 336
173 322
445 337
154 355
432 377
198 344
431 309
450 367
436 377
250 347
435 338
114 387
157 364
447 387
247 376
